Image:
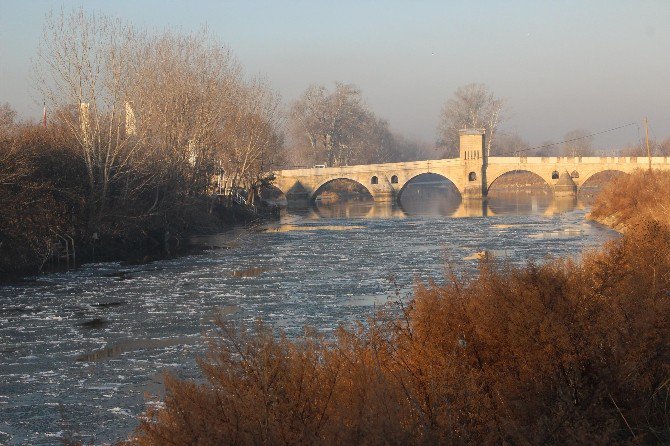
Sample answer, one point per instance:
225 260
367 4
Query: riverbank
634 200
561 352
144 245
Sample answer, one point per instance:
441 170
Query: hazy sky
560 65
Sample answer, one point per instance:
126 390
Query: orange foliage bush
561 353
628 199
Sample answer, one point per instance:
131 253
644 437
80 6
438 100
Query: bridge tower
474 158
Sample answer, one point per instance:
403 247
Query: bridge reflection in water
504 204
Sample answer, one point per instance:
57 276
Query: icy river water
79 350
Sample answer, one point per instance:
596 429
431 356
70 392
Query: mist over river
78 350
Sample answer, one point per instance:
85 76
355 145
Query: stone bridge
473 173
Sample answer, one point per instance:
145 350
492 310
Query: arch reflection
429 194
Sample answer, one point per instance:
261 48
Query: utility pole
646 140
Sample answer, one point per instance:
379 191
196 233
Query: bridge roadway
473 175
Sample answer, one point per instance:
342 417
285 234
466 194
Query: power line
568 140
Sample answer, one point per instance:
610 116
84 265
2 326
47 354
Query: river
79 350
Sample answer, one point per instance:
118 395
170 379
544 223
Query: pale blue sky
560 65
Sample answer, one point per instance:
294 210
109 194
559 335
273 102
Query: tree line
337 128
144 132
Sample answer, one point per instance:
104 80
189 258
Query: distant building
85 122
131 128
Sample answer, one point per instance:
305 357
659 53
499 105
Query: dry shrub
630 199
561 353
31 206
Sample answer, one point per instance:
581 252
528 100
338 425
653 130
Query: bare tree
7 117
84 61
407 149
509 144
157 114
253 144
381 145
472 106
578 142
663 148
337 128
139 127
657 148
547 148
29 184
182 95
202 117
639 149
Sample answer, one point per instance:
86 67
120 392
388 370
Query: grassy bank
560 353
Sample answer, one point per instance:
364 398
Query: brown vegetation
38 184
561 353
143 132
630 200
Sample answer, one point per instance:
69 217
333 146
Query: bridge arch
493 180
320 188
291 187
273 194
413 180
590 176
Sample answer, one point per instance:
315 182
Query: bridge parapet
368 168
637 160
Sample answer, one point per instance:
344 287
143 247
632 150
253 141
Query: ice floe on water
79 350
